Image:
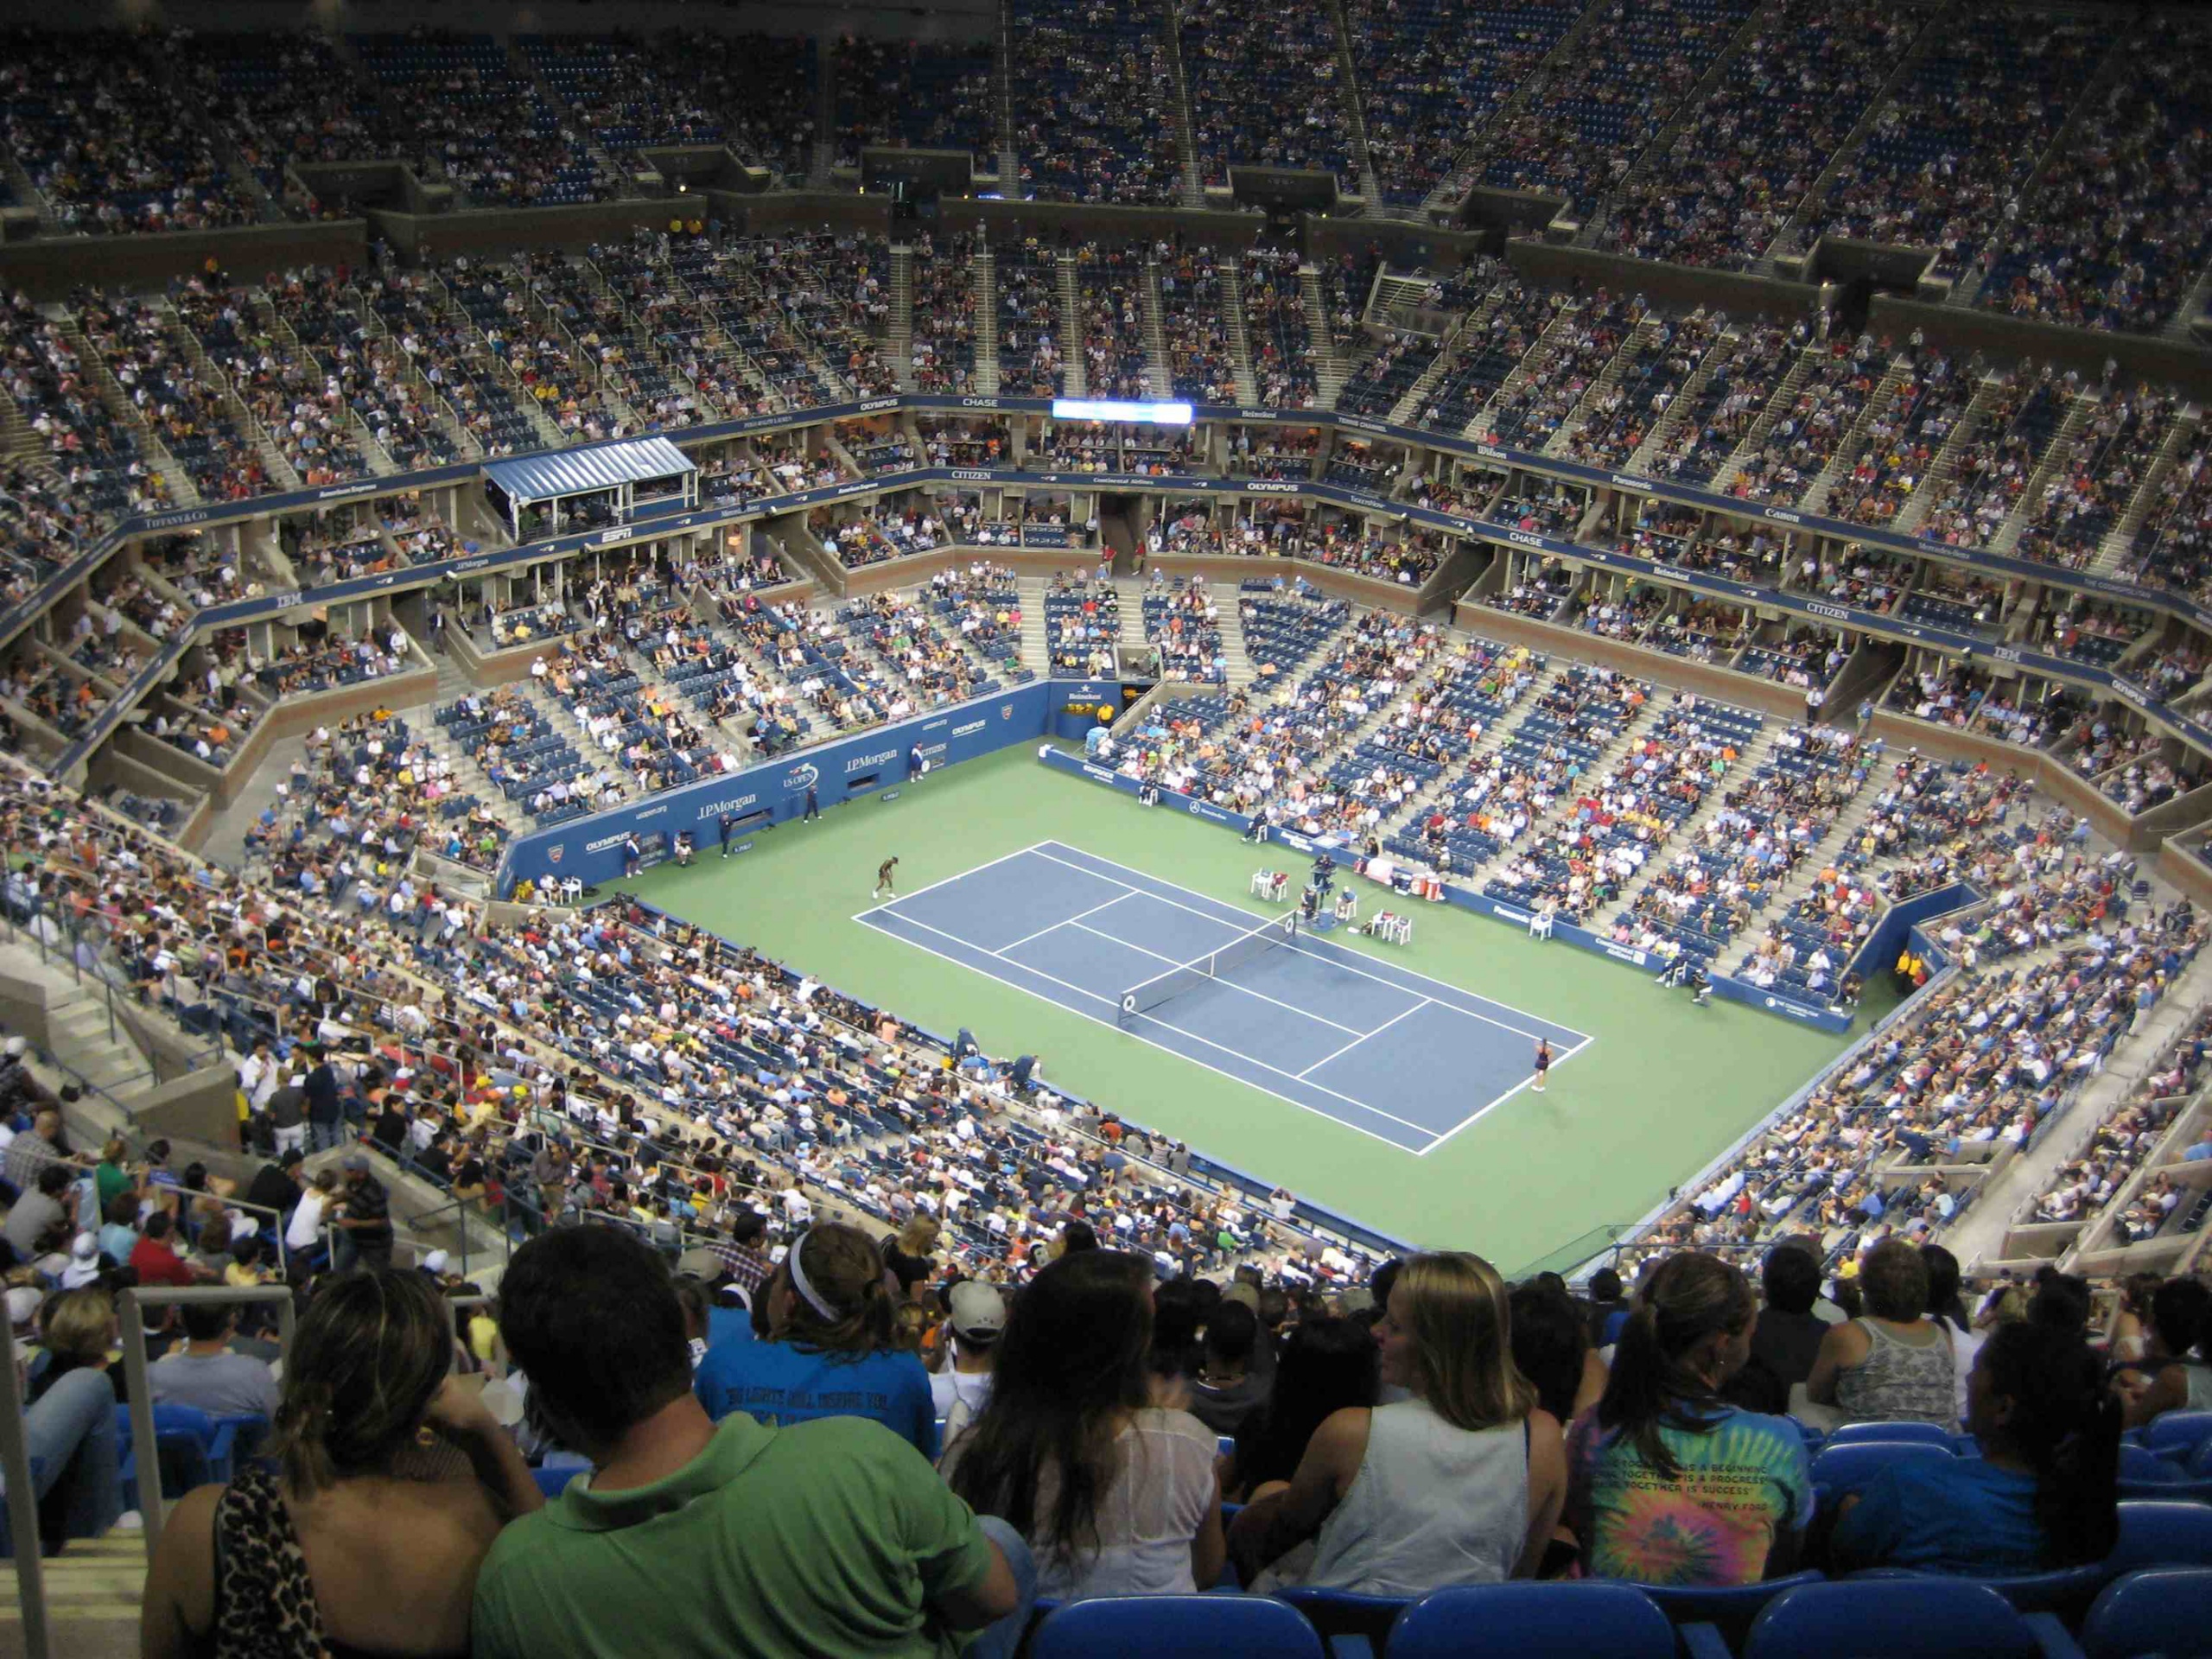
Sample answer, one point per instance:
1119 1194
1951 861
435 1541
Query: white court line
1075 920
1111 1024
1486 1110
1227 984
1424 1003
1334 962
900 897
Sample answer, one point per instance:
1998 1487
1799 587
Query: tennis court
1394 1054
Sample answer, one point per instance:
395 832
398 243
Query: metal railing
14 1440
129 1307
65 941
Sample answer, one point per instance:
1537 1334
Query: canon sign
1783 517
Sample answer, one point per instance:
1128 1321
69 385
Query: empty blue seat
1340 1613
1840 1469
1176 1627
2186 1431
2166 1610
1890 1433
1534 1621
1896 1619
554 1482
2162 1533
1729 1608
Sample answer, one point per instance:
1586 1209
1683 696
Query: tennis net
1191 974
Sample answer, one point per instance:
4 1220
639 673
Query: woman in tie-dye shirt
1669 1483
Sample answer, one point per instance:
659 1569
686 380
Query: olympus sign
606 841
1271 489
870 405
970 728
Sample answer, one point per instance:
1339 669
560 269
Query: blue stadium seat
1176 1627
2162 1535
1348 1620
1840 1469
2165 1610
1534 1621
1728 1609
1891 1435
1899 1618
2183 1432
554 1482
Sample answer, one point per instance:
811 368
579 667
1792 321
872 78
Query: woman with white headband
831 1348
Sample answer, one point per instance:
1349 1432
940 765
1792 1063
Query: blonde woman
1460 1483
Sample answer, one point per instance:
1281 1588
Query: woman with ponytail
1670 1483
832 1346
393 1480
2045 1491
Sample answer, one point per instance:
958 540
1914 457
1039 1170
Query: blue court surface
1391 1053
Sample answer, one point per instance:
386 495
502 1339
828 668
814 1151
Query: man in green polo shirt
833 1537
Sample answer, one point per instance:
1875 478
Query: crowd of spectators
1742 160
1960 134
2114 232
1264 89
1094 101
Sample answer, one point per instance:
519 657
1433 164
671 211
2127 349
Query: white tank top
1432 1505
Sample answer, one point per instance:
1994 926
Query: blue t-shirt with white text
782 1382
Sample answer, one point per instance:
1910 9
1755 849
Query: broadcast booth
602 484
